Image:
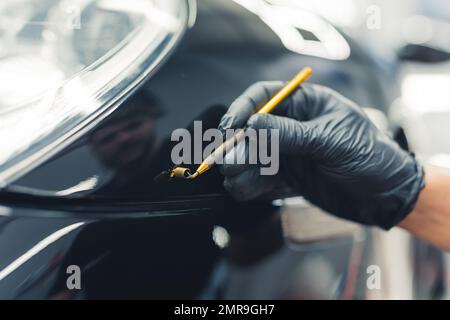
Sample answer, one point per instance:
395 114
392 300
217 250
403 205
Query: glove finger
249 184
295 137
248 103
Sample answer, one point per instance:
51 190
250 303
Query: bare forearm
430 219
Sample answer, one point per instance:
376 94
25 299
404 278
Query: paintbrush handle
225 147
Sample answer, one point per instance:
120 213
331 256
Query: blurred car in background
91 93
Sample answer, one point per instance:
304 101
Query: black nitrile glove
330 153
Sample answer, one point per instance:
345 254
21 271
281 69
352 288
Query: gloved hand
330 153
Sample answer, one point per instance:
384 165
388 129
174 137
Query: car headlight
65 65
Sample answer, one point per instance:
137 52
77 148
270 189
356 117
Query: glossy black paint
141 239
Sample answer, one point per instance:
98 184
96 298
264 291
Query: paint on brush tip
176 172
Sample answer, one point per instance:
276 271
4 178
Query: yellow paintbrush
225 147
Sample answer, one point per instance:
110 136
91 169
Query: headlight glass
65 65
